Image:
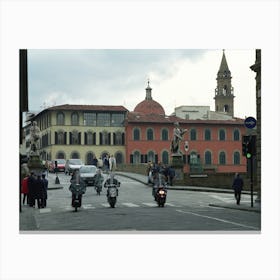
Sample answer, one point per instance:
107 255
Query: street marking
224 199
170 204
150 204
105 204
45 210
88 206
217 219
129 204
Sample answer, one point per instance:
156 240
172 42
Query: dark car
87 173
60 165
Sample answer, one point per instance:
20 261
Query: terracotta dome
149 106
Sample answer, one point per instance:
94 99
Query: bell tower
224 91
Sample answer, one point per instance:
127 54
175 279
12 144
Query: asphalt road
136 211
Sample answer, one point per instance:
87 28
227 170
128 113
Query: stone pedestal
178 165
35 164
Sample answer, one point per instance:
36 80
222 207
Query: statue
177 137
34 138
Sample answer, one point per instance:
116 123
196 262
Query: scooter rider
158 179
111 181
77 180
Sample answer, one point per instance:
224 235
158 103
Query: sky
119 77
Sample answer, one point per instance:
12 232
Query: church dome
149 106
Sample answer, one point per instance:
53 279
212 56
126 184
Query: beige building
81 131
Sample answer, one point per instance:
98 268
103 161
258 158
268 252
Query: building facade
82 131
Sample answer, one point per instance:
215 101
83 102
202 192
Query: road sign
250 122
186 146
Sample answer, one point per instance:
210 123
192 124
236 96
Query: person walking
171 175
106 163
237 186
24 189
39 191
45 191
31 183
112 163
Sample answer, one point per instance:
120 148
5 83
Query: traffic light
249 146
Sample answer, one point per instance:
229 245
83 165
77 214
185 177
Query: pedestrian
95 161
237 186
112 163
31 183
39 191
171 175
100 163
45 191
106 163
149 172
24 189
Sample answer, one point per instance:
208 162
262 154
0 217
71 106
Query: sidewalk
243 206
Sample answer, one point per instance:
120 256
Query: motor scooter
98 181
78 188
160 191
112 184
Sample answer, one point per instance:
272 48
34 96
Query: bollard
57 180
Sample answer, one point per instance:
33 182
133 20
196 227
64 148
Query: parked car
60 165
87 173
72 164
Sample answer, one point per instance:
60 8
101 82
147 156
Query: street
137 211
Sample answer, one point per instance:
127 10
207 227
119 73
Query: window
60 155
90 138
119 158
136 157
136 134
236 135
208 157
90 119
60 118
75 155
151 156
103 119
105 138
117 119
164 134
222 158
150 134
236 158
207 134
222 135
89 158
60 138
75 138
193 134
118 138
75 119
165 157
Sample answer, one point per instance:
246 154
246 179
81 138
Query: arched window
119 157
75 155
222 135
236 135
226 108
165 157
164 134
207 134
60 155
150 134
75 137
151 156
222 158
89 158
118 138
60 118
75 119
208 157
136 134
236 158
136 157
105 138
193 134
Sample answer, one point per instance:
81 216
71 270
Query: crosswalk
106 205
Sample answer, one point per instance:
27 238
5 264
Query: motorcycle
98 180
78 188
160 191
112 192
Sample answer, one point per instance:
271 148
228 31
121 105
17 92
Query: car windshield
60 161
75 161
88 169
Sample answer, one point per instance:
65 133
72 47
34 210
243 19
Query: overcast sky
119 77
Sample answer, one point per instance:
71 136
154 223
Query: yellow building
82 131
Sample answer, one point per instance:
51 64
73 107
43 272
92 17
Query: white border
157 24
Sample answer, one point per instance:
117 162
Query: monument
177 156
34 163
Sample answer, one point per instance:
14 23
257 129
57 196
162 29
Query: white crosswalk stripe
88 206
129 204
150 204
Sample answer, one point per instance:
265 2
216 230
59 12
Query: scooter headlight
161 192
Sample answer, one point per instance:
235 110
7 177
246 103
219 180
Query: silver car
87 173
72 165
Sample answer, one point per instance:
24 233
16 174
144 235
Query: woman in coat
24 190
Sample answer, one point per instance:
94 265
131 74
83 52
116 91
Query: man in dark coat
32 189
45 190
39 191
237 186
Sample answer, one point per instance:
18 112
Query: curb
236 208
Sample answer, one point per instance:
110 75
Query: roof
89 108
149 106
